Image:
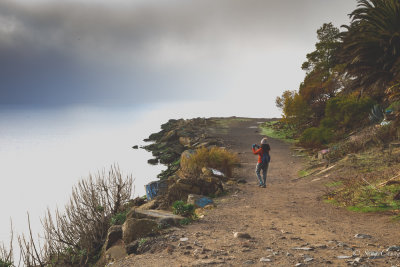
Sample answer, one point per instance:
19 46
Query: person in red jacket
263 160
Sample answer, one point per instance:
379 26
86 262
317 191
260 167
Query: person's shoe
260 185
263 186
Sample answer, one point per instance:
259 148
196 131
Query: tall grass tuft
214 157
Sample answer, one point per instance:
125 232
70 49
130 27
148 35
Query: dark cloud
119 52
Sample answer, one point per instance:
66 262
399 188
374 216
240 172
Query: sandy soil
286 215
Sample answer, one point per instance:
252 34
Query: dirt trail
287 214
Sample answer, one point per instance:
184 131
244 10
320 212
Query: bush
214 157
180 208
119 218
5 263
316 137
76 236
348 112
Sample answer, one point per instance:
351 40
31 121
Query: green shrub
348 111
180 208
119 218
316 137
5 263
185 221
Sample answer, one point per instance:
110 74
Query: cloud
128 52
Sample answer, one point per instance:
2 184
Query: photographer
263 160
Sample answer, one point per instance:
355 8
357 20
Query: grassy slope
356 180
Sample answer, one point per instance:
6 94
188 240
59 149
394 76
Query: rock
199 201
135 147
159 216
133 229
114 234
152 161
321 246
248 262
184 239
300 264
362 236
265 259
303 248
169 136
241 235
185 141
394 248
207 262
187 154
139 201
116 252
148 206
308 259
132 247
241 181
342 257
374 254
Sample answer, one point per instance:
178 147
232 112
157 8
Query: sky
138 52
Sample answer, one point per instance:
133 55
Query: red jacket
260 152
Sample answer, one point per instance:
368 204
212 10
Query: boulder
133 229
132 247
185 141
199 201
139 201
149 205
152 161
116 252
114 234
187 154
169 136
162 217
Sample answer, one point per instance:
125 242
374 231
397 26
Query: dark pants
264 168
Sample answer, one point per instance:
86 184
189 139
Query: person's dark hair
265 147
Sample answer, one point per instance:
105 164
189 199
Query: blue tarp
153 188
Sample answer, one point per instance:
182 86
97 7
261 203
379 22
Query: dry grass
215 157
360 181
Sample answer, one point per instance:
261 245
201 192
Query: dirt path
288 214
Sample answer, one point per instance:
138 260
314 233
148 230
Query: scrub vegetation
349 103
214 157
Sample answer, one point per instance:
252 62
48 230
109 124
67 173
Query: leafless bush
75 236
6 253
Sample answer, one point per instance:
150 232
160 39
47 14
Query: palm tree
371 45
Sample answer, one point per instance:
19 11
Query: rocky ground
285 224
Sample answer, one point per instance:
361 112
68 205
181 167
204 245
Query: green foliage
296 111
180 208
119 218
371 45
277 130
347 111
185 221
5 263
316 137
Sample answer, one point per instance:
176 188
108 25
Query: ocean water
45 152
